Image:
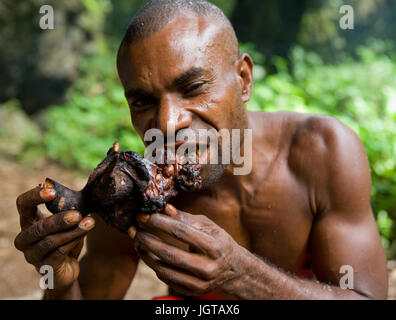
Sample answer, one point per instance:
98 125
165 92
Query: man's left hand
212 261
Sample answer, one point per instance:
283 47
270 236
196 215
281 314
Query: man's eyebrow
190 74
136 93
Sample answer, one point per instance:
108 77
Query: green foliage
360 93
17 131
319 29
385 224
228 6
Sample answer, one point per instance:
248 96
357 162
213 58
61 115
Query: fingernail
143 217
72 217
132 232
87 224
47 194
116 146
170 210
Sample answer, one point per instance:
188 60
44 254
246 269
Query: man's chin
211 174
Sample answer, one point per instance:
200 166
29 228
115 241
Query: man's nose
172 116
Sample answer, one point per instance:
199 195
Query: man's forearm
71 293
259 280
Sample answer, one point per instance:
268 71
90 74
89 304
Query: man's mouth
189 153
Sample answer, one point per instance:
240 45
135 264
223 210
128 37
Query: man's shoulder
322 135
328 159
312 133
329 156
313 142
325 156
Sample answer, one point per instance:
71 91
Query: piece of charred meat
124 184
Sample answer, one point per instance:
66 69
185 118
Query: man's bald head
156 14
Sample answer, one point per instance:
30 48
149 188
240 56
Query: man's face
182 77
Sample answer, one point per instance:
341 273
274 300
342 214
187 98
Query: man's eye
140 103
193 87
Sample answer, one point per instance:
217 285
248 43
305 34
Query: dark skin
245 236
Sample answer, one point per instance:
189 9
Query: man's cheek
139 125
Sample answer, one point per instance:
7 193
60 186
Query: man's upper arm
344 231
109 265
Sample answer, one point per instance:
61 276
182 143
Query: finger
42 214
39 250
199 222
132 232
75 252
172 212
84 224
182 231
44 227
58 256
191 262
196 221
27 203
173 276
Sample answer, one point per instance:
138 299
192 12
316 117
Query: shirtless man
246 236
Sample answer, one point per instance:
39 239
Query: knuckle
167 255
19 202
216 249
154 218
162 274
29 257
59 252
202 217
18 242
210 270
47 243
38 229
179 231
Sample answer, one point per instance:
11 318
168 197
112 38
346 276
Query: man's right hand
54 240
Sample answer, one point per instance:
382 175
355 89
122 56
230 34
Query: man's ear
244 71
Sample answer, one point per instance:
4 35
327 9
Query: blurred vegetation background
61 100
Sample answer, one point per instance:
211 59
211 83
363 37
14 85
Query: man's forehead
188 41
185 31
